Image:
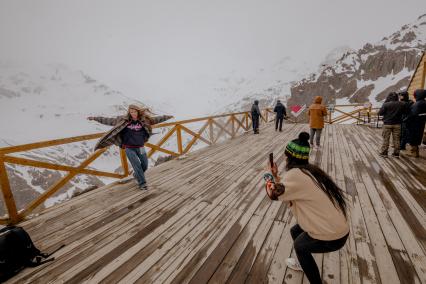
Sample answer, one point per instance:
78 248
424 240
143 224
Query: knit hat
299 148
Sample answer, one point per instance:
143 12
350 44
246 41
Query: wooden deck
206 218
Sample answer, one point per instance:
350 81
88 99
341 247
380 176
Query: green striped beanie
299 148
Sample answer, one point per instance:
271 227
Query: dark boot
414 151
384 153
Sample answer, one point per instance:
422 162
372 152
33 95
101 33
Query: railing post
247 125
124 163
211 133
7 193
179 138
369 113
232 125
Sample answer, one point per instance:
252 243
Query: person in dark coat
392 111
255 114
403 97
281 113
416 122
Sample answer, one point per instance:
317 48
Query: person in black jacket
403 97
281 113
392 111
416 122
255 114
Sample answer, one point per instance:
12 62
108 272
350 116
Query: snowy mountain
367 74
334 55
344 75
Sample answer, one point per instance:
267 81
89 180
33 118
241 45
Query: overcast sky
151 48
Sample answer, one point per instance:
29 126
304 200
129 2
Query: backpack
17 251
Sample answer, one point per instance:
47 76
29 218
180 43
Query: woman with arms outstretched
131 132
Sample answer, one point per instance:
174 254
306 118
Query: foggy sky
156 48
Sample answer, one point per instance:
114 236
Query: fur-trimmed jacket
112 137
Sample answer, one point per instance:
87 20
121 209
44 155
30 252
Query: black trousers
304 246
255 119
405 136
279 121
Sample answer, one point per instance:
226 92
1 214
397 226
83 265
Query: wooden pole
50 166
124 163
179 139
233 126
211 131
7 193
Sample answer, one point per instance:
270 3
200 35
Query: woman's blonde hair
144 113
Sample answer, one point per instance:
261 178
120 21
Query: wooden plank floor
206 218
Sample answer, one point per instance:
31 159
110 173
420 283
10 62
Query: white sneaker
294 264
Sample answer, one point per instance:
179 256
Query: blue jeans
139 161
316 131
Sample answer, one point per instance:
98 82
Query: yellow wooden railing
226 125
358 112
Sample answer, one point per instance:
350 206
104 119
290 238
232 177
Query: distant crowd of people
316 112
404 120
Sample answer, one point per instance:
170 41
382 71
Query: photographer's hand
274 172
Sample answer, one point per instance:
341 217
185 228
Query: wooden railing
357 112
226 125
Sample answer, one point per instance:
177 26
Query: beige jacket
313 210
316 113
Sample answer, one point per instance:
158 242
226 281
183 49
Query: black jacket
392 112
280 110
417 117
255 111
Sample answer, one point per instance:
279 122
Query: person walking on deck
131 132
255 115
416 122
316 113
392 111
280 111
317 204
405 135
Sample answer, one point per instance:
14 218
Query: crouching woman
317 204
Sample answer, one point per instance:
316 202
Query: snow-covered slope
52 101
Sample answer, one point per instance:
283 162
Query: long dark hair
321 179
